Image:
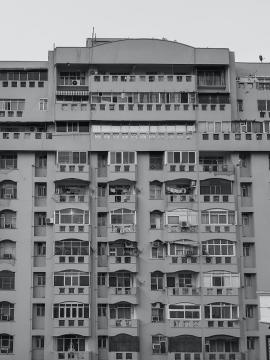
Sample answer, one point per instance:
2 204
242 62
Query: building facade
134 204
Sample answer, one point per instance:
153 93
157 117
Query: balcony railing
127 198
72 168
71 198
72 228
122 168
71 290
180 167
183 291
182 229
71 259
123 228
222 323
218 228
208 259
122 259
143 78
82 355
220 291
74 322
188 259
25 135
123 323
123 290
223 356
217 198
175 198
176 323
226 169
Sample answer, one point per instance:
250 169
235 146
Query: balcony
128 326
133 83
115 200
78 171
117 263
118 294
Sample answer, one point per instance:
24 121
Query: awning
81 93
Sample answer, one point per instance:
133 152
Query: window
221 279
157 250
102 342
41 189
156 161
181 157
215 187
102 310
7 280
74 78
222 346
8 190
40 309
122 157
7 219
69 157
218 247
43 104
71 247
39 279
245 189
156 220
184 311
240 105
218 217
157 312
72 216
6 311
159 344
71 310
247 249
38 342
211 78
182 217
71 278
6 344
155 190
12 104
251 343
250 311
157 282
263 105
8 161
182 249
248 280
101 279
40 249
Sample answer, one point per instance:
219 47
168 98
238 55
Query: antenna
93 35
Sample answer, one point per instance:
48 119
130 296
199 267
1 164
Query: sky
29 28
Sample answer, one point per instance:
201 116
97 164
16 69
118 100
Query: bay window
221 310
71 247
122 157
121 310
181 157
122 216
218 217
72 216
71 157
121 279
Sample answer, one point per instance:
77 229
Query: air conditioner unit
49 221
76 82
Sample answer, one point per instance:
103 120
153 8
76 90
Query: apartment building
134 204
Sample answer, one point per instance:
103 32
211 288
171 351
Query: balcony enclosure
70 346
71 251
183 251
181 190
123 248
123 220
218 163
6 311
7 280
122 282
7 250
6 344
183 283
218 219
218 251
8 219
122 191
71 161
71 282
122 162
180 160
122 314
72 219
70 314
224 313
181 220
8 190
222 347
216 190
8 160
211 78
71 190
124 343
221 283
184 314
185 347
